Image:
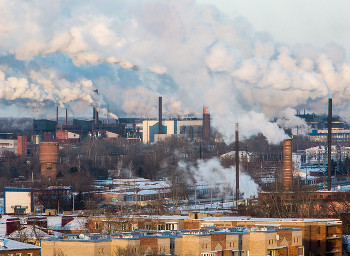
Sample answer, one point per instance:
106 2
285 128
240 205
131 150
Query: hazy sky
248 61
294 22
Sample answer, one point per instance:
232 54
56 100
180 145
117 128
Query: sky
294 22
248 61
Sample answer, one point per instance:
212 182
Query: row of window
296 239
122 226
18 254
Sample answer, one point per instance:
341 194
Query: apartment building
207 241
319 236
10 247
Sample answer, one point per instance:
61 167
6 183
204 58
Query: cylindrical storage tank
287 165
48 158
36 139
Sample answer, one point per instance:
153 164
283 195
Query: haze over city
191 53
162 127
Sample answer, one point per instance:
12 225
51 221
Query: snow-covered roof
78 223
15 245
244 218
54 222
240 153
29 232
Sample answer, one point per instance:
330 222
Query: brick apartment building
319 236
207 241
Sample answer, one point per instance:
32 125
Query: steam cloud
213 174
134 51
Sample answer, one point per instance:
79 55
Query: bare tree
127 251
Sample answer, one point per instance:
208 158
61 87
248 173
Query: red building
22 145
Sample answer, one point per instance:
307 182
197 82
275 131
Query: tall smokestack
95 113
96 116
57 116
237 166
287 165
329 183
206 124
107 112
66 117
160 115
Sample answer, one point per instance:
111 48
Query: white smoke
288 120
103 112
213 174
36 90
192 55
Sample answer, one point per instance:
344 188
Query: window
204 246
18 254
97 225
134 227
148 226
301 251
271 241
318 230
30 254
122 226
318 243
232 244
159 227
171 226
273 253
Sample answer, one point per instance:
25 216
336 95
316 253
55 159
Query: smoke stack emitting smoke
191 54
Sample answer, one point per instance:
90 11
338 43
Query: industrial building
25 200
191 129
18 200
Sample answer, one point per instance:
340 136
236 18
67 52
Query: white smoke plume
288 120
103 112
191 54
213 174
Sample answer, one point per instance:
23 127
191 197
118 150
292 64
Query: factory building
42 125
18 200
191 129
338 135
8 143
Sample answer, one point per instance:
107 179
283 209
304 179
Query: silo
48 158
